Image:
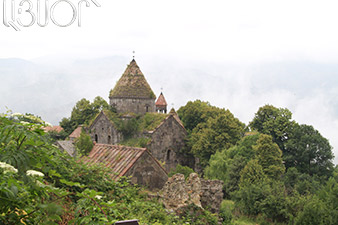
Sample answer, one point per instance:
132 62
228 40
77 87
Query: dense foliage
83 112
279 172
210 129
41 185
84 143
303 147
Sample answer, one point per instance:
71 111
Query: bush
185 170
226 211
315 212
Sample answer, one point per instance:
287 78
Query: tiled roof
53 128
76 133
116 157
161 101
132 84
68 146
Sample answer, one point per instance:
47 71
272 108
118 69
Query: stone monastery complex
132 96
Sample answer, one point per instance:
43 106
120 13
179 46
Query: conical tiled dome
132 84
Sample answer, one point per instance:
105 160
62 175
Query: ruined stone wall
167 141
148 173
102 131
135 105
178 192
212 194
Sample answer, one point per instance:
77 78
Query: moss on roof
132 84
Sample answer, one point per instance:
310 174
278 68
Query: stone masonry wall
148 173
167 142
139 106
212 194
177 192
103 131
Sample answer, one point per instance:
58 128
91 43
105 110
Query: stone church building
133 94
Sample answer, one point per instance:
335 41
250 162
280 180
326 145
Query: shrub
185 170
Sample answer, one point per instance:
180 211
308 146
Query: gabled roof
77 132
172 114
98 116
176 117
132 84
53 128
161 101
116 157
67 146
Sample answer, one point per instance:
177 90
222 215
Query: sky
238 55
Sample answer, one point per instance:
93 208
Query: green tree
216 134
275 122
83 112
226 165
308 151
269 156
99 104
252 173
194 113
84 143
315 212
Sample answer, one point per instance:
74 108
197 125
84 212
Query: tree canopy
303 147
210 129
83 112
308 151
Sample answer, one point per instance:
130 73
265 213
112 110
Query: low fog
51 87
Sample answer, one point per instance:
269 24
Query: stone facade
167 141
134 105
148 172
178 192
103 131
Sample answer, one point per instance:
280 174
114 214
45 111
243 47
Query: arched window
109 139
168 154
96 138
147 108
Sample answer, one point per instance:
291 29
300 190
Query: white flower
48 124
24 122
98 196
8 168
34 173
16 114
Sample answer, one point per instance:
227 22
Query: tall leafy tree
197 112
275 122
269 156
308 151
216 134
83 112
227 164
